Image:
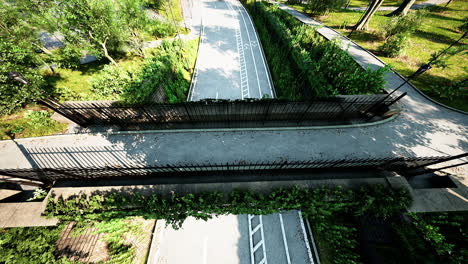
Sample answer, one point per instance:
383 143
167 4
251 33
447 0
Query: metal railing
222 113
399 164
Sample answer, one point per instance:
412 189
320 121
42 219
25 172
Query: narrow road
228 239
230 63
423 128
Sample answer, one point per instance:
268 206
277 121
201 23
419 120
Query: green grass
172 11
74 84
440 29
365 3
18 126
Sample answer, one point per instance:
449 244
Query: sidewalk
424 128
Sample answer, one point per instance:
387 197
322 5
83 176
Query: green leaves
303 63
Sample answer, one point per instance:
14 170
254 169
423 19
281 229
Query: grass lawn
75 85
124 241
440 29
19 126
365 3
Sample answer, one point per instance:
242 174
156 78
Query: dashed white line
261 52
251 51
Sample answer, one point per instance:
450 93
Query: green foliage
169 68
303 64
29 245
39 194
68 56
17 55
447 233
329 209
322 7
398 30
115 231
18 126
440 58
454 90
39 119
110 82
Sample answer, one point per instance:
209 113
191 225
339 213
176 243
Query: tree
363 23
95 23
403 9
19 57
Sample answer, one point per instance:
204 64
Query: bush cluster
397 32
322 206
168 68
303 64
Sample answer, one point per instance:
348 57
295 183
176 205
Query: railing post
380 106
265 116
343 112
188 113
72 118
305 111
147 114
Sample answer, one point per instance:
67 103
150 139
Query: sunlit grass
439 29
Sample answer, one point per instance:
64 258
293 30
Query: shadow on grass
435 37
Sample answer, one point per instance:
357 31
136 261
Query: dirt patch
86 247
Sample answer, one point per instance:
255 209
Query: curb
373 55
393 117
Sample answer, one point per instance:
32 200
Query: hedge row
322 206
304 64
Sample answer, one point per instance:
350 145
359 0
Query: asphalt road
226 239
230 63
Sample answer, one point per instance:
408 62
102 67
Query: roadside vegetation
340 219
39 244
32 121
439 27
44 46
305 65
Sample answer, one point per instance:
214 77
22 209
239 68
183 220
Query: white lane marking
251 50
264 260
244 78
305 237
263 55
260 243
195 72
317 257
284 239
205 250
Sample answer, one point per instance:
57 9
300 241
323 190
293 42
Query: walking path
423 128
415 6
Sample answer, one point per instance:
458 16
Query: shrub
28 245
68 57
322 7
110 82
39 119
169 68
397 31
451 91
394 45
304 65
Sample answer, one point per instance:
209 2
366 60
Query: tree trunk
106 54
403 9
364 21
